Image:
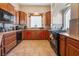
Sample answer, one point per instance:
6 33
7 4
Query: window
67 17
36 21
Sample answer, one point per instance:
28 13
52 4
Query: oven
54 41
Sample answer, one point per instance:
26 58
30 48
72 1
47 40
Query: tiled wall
74 27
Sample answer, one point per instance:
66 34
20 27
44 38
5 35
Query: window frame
64 17
41 20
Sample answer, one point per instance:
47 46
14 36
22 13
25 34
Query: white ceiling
39 4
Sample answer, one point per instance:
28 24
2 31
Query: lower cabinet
0 51
68 46
62 45
9 41
72 47
27 35
44 35
36 35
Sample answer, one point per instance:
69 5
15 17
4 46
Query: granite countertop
69 35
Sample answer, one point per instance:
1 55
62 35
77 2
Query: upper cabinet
7 7
74 11
11 9
22 17
4 6
17 17
48 19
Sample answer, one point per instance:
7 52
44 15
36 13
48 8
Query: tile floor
33 48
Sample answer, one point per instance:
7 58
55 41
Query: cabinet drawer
73 42
10 40
10 46
71 50
0 51
9 34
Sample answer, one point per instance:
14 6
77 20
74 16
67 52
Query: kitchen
54 33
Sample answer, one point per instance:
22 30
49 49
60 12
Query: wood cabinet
68 46
9 41
74 11
48 19
17 17
72 47
4 6
27 35
36 35
44 35
23 35
10 9
22 17
62 45
7 7
0 51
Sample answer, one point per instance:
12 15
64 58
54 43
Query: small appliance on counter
18 27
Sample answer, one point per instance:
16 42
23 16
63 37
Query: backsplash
74 27
6 27
56 26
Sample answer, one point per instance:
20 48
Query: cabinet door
71 50
48 19
11 9
62 45
9 46
0 51
21 17
17 17
4 6
9 41
44 35
27 35
72 47
24 18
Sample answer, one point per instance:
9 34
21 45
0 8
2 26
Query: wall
17 7
30 9
56 21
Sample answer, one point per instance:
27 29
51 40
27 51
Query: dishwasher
19 36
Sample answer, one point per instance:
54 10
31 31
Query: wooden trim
31 14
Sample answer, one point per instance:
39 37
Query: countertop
69 35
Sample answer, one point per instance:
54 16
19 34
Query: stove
54 41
